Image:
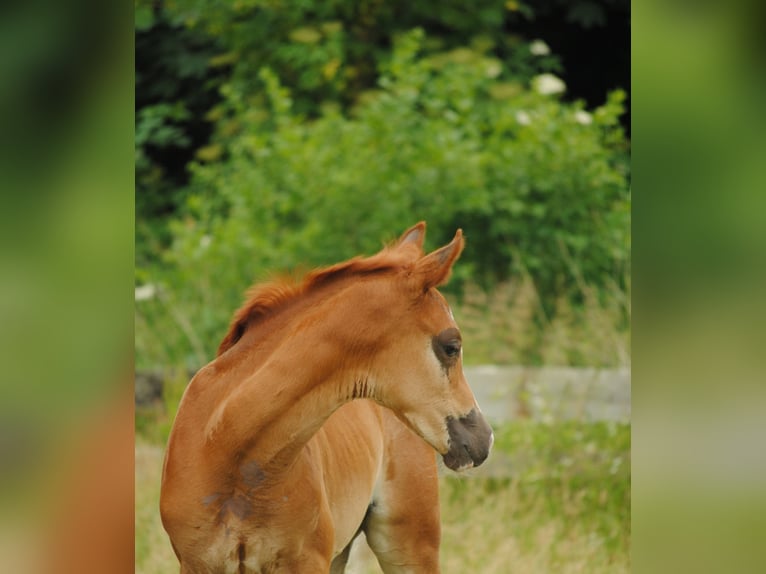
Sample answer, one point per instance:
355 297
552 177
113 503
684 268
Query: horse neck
318 366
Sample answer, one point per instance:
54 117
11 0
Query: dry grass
153 552
508 326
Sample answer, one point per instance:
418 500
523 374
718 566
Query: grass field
557 501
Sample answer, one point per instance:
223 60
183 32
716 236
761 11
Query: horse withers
318 420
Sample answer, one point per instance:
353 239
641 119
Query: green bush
330 50
176 84
540 187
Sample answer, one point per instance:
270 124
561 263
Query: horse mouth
457 461
470 440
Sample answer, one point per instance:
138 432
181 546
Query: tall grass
507 325
154 555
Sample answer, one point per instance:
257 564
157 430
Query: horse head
420 367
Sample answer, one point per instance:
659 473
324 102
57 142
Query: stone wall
511 392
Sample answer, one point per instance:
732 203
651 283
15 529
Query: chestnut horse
319 418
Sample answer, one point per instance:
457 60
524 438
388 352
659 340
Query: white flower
539 48
204 241
583 117
548 84
523 118
144 292
493 69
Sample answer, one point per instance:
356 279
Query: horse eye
447 345
452 349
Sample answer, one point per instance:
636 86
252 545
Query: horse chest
230 553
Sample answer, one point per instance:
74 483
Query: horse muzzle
470 440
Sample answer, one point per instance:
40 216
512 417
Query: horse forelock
265 299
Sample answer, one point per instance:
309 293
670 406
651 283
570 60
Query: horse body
319 419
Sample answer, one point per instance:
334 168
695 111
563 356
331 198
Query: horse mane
265 299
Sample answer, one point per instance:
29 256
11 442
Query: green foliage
566 450
535 184
567 502
335 125
176 84
331 51
442 140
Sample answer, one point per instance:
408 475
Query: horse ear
413 236
434 269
